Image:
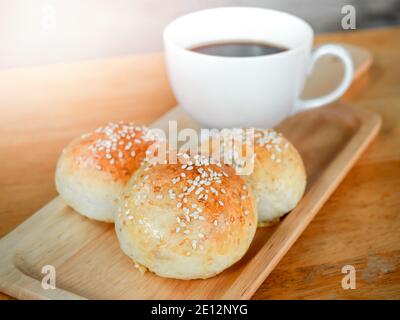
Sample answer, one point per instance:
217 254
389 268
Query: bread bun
278 177
93 169
186 221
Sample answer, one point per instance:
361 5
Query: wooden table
42 108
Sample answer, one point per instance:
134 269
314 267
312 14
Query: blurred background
50 31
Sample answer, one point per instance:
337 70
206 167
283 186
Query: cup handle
342 54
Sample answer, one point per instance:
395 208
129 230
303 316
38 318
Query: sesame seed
199 190
186 231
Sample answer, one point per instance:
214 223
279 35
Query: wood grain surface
359 225
90 265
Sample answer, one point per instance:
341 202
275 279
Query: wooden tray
86 254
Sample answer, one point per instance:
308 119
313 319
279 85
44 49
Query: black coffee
238 49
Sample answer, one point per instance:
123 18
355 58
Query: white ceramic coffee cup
245 91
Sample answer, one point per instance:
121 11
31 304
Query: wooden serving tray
86 254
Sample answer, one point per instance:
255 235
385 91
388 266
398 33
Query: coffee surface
238 49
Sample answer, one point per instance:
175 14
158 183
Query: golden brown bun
278 178
93 169
186 221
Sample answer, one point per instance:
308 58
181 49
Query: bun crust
186 221
277 178
93 169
